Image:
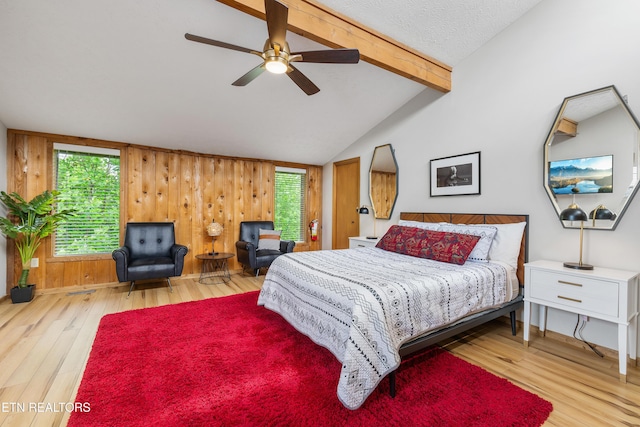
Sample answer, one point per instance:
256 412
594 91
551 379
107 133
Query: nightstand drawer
362 242
595 295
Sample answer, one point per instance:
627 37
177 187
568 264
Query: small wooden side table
215 268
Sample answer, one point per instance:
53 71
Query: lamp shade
363 210
601 212
573 213
214 229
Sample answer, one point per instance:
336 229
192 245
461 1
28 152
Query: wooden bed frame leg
392 384
512 315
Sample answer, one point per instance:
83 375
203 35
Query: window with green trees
290 209
88 179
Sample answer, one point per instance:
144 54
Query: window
88 179
290 210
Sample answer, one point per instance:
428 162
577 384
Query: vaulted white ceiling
122 71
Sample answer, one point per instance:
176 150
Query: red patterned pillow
395 239
453 248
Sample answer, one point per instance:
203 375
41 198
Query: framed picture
456 175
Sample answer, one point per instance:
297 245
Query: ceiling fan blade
335 56
220 44
277 15
250 76
302 81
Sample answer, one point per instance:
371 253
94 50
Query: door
346 200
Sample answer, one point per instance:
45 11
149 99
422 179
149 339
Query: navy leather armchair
247 247
149 252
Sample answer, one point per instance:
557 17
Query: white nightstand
601 293
362 242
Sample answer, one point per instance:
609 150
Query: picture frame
455 175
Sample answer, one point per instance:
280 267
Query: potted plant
27 223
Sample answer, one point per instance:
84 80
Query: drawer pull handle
569 283
570 299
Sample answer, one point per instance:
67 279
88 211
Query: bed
372 306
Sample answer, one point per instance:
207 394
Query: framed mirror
383 181
591 158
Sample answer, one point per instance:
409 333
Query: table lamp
214 230
574 213
364 210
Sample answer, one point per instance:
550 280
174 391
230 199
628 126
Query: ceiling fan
277 57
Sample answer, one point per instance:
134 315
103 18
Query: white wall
3 187
503 103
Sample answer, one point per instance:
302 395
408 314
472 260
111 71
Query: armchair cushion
269 239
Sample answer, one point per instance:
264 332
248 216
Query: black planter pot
19 294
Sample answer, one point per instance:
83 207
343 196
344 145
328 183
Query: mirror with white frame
591 157
383 181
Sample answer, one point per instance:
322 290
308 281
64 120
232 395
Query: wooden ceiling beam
317 22
568 127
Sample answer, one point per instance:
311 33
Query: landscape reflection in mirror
582 176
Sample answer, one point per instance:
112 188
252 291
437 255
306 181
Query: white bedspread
363 304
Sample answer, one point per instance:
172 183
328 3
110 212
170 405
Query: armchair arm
121 257
178 252
246 252
287 246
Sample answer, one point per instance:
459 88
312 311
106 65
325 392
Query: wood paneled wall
188 189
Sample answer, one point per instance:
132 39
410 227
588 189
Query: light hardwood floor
44 345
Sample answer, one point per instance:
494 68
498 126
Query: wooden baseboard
77 288
80 288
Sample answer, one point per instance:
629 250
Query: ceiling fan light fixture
276 55
276 65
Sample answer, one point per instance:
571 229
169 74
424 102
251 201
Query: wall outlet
584 318
35 262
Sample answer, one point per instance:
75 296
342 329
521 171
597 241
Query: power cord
582 322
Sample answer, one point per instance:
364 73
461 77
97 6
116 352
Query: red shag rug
227 362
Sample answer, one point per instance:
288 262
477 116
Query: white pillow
506 243
269 239
433 226
486 232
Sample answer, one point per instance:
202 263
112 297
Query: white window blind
290 204
88 179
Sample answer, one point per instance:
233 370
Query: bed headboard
477 218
